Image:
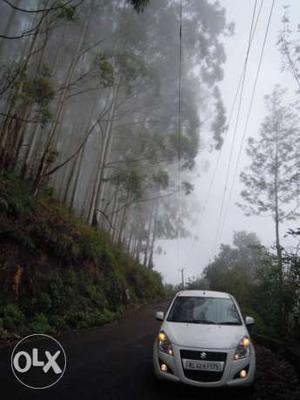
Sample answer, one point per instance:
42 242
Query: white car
204 341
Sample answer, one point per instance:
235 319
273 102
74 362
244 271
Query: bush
58 323
12 318
40 324
89 319
259 326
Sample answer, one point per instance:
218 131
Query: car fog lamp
243 373
164 368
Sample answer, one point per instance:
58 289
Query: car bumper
229 377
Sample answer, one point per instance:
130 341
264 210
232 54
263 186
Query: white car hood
203 335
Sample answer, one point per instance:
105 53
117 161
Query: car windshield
204 310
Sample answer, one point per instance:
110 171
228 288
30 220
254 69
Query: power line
179 123
252 32
220 152
248 115
242 84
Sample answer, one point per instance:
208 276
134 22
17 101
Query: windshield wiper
185 321
195 321
204 321
230 323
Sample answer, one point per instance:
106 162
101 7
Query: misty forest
104 108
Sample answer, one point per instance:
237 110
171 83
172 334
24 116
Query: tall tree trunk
123 219
154 234
78 161
277 216
147 245
61 107
11 110
278 245
108 139
114 214
77 175
130 239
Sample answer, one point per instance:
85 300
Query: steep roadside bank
57 273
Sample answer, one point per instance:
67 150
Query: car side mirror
249 321
159 316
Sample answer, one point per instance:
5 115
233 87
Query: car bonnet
206 336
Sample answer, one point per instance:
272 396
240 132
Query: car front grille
203 376
196 355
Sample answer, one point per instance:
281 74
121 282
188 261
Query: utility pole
182 277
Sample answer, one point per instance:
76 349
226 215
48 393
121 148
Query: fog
106 108
194 253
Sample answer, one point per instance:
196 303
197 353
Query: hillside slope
57 273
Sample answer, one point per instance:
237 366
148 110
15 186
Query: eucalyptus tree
29 88
93 96
157 112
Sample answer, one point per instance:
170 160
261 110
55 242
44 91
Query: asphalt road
114 362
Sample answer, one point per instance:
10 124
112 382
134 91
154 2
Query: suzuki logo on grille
203 355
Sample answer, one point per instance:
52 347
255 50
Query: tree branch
67 160
38 10
142 201
30 32
106 218
33 121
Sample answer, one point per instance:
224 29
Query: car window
205 310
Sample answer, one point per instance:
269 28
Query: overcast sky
194 254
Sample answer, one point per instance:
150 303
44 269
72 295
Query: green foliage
73 277
18 200
67 13
144 284
260 326
187 187
12 318
271 180
51 156
131 181
40 324
139 5
161 178
89 319
197 283
105 70
39 90
251 274
130 66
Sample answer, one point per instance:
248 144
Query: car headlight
243 349
164 343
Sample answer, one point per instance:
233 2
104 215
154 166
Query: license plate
199 365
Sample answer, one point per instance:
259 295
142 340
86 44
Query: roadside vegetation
56 272
248 271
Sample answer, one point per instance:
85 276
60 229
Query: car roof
203 293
